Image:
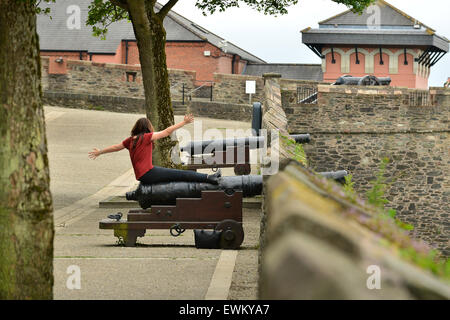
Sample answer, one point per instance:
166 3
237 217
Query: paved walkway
161 267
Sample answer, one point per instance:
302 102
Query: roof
369 37
395 28
207 35
389 15
287 70
55 35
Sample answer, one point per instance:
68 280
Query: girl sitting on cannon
140 144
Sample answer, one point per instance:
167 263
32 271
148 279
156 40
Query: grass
295 149
393 230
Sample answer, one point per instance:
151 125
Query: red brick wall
133 53
191 56
72 55
405 76
180 55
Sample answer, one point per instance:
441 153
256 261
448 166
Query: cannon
210 146
338 176
225 153
178 206
234 152
167 193
301 138
368 80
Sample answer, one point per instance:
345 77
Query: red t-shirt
141 154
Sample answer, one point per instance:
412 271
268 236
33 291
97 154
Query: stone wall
370 109
103 79
292 85
354 128
318 243
86 78
273 119
274 116
221 110
440 96
117 87
319 246
95 102
231 88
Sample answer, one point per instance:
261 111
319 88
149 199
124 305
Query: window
131 76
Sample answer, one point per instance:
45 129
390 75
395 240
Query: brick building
382 41
188 47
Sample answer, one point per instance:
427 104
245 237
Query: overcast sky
278 39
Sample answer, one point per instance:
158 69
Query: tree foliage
269 7
103 12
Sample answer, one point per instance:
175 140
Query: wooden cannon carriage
192 206
215 210
178 206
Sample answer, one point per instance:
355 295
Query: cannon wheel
232 234
242 169
369 81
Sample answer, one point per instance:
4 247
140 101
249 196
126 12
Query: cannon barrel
385 81
338 176
208 146
167 193
301 138
366 80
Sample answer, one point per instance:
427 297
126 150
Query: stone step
179 108
179 111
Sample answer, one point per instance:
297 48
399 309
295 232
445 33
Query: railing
183 90
188 94
177 85
419 99
207 82
307 95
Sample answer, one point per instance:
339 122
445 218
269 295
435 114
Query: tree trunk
151 42
26 220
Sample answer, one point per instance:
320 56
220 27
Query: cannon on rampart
368 80
178 206
168 193
222 153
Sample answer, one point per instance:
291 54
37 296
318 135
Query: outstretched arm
94 154
168 131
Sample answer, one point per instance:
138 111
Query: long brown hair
143 125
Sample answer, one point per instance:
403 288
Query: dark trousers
159 174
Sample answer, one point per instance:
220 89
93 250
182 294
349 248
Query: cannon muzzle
368 80
338 176
301 138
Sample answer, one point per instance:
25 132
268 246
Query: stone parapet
221 110
316 249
